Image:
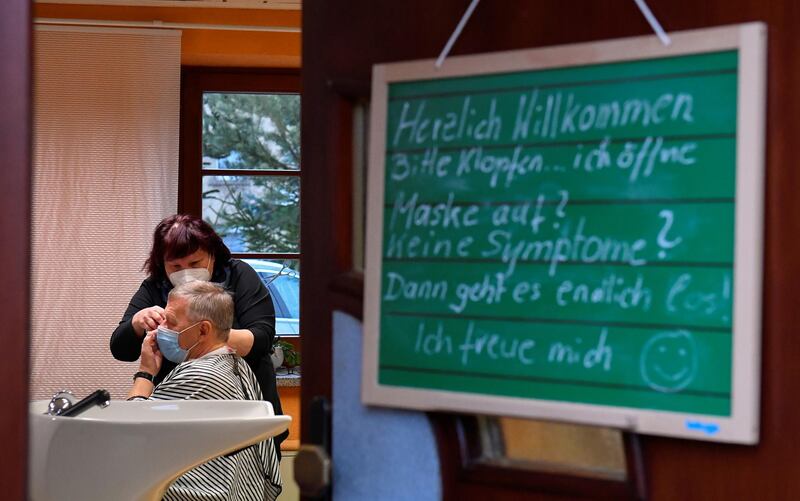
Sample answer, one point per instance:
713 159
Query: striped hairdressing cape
250 474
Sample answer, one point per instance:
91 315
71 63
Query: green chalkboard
562 235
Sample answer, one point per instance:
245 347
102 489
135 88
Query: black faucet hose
99 397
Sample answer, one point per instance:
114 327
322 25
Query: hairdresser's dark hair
180 235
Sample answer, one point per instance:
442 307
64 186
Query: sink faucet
63 403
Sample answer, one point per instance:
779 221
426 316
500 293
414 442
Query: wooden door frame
15 223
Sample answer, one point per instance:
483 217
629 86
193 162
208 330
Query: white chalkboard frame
743 425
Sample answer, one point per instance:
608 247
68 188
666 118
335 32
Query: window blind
105 162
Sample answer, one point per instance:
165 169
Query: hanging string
648 14
456 33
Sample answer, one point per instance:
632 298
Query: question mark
564 197
662 235
560 208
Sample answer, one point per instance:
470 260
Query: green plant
291 357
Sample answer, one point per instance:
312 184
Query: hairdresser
186 248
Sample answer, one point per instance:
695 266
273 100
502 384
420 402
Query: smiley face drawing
669 361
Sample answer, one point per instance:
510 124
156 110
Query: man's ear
206 327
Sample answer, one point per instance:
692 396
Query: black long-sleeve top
253 310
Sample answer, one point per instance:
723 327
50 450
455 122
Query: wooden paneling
15 219
205 47
342 40
290 401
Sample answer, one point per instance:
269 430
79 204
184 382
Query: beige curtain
106 104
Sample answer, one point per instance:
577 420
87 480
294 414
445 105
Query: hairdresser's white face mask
190 274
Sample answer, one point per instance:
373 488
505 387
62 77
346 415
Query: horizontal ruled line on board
574 142
649 264
612 201
540 320
570 382
555 85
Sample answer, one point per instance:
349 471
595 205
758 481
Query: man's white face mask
190 274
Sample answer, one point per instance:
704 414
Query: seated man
198 317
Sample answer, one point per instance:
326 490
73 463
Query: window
240 169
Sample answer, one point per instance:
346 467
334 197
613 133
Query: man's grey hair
207 301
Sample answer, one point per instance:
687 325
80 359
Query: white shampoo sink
134 450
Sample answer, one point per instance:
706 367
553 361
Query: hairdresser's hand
151 356
147 319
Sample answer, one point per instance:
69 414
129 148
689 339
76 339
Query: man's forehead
176 307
